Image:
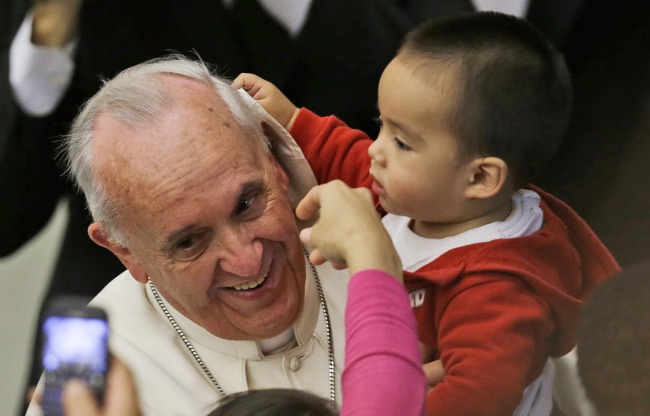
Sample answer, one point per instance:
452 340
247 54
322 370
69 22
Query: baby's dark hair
275 402
614 344
514 94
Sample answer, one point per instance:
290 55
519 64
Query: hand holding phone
121 398
75 347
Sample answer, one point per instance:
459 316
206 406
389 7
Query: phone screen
75 346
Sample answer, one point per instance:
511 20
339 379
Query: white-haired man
218 296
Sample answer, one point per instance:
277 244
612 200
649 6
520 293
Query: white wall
23 280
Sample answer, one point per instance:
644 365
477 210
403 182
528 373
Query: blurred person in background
614 344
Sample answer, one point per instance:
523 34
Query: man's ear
487 177
101 237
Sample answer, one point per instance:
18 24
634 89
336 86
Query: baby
472 107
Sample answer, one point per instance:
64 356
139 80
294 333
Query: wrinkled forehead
194 141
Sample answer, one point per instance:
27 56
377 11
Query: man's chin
273 327
256 333
266 323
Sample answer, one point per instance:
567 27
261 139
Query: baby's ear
487 177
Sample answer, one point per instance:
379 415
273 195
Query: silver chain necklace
195 354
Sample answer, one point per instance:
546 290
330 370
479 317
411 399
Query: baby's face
415 159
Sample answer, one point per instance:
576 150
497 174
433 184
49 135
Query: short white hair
138 96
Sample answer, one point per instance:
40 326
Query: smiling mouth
251 285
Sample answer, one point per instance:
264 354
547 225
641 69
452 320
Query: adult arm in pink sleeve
383 374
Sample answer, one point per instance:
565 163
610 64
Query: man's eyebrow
249 186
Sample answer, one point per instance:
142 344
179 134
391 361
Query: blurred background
601 169
23 281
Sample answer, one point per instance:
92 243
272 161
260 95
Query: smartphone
75 345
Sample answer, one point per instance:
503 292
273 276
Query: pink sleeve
383 374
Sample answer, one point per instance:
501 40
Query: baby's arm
333 150
493 337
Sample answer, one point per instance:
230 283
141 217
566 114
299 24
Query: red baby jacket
493 312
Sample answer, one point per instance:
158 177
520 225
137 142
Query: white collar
526 217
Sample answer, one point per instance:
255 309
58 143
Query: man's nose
240 255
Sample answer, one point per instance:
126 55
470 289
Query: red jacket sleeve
333 150
494 340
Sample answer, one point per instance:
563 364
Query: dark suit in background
601 170
332 67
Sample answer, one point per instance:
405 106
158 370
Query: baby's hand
434 373
433 369
268 96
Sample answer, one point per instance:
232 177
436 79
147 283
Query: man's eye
401 145
189 248
245 204
250 206
187 243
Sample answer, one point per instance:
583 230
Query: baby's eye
401 145
378 121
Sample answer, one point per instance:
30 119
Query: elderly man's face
206 215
